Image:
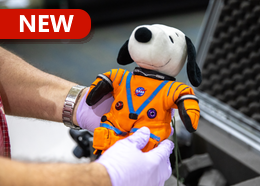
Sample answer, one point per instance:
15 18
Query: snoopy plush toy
146 96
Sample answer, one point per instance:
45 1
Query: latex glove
127 165
88 117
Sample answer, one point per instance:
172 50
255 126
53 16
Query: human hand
88 117
127 165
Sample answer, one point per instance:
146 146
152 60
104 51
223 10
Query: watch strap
69 105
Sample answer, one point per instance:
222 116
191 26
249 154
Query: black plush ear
193 70
124 57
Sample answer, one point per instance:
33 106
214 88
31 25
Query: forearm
30 92
31 174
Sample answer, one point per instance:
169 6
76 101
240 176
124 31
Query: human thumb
140 138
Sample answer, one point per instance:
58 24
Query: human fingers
164 149
140 138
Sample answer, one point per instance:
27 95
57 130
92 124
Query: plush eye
171 39
176 34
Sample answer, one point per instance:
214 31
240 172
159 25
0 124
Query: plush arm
189 111
99 88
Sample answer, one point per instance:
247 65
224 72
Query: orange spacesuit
141 100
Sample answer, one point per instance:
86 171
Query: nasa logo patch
139 91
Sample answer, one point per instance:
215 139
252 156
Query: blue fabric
146 102
110 74
128 93
117 131
170 88
122 77
116 74
155 92
151 135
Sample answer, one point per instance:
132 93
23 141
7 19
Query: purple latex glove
127 165
88 117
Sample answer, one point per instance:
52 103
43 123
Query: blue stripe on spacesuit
116 75
116 130
151 135
110 73
122 78
170 88
128 93
146 102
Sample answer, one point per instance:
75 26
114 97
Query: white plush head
165 52
161 48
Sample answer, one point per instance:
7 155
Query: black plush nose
143 35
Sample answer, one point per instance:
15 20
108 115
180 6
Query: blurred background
112 24
225 150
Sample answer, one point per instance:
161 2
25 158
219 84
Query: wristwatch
69 105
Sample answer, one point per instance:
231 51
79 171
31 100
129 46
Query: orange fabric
93 85
193 110
103 140
162 103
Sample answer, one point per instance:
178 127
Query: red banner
44 24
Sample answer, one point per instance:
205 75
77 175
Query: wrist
82 96
70 102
